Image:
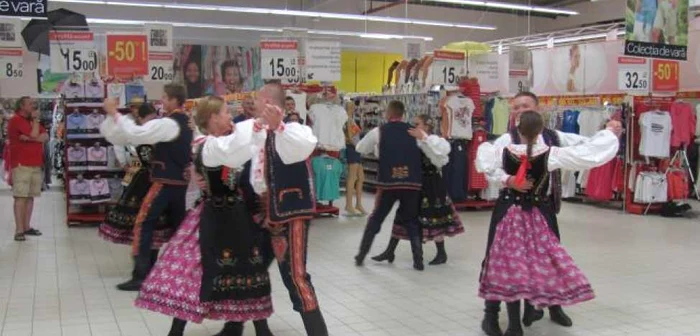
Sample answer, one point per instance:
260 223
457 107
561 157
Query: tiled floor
645 270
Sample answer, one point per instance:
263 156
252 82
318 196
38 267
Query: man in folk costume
400 179
286 191
528 101
171 137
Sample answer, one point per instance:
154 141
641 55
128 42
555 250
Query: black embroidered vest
551 138
290 193
171 159
400 163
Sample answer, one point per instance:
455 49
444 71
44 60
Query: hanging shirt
329 120
457 113
683 120
300 102
501 112
655 134
591 121
117 91
570 123
327 172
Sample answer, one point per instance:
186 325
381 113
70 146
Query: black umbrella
36 33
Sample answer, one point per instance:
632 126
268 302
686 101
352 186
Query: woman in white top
524 260
437 215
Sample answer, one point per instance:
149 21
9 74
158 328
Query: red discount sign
665 75
127 55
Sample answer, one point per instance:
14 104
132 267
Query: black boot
531 314
141 268
559 316
231 329
365 245
154 257
417 249
441 256
178 327
262 329
514 326
388 255
314 323
490 323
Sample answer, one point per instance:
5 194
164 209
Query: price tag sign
448 67
161 67
518 81
73 52
665 76
279 59
11 63
633 74
127 55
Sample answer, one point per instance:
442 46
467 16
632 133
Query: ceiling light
258 28
503 5
284 12
572 39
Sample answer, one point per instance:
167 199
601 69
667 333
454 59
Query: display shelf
474 204
84 218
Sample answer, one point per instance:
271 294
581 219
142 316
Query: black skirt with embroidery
120 220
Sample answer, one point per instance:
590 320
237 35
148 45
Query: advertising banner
127 55
24 8
448 67
279 59
657 29
485 68
73 52
322 60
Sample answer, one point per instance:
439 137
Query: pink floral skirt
173 286
527 262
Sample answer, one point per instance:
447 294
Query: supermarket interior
355 167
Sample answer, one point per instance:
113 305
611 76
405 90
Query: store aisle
645 271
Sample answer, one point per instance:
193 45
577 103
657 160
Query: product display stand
680 157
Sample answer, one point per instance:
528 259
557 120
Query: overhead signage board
161 67
322 60
448 67
657 29
11 63
485 68
665 76
24 8
127 55
519 65
279 59
160 38
73 52
633 74
10 32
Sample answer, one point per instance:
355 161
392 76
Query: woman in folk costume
119 222
437 217
215 267
524 260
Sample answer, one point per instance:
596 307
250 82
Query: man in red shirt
27 139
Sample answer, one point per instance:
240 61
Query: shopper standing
527 101
400 179
171 137
437 217
27 138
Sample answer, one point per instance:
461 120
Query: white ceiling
508 25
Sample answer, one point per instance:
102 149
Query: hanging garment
455 172
93 122
651 188
600 186
683 120
568 184
655 134
570 122
458 114
328 122
592 120
501 114
678 188
476 180
327 172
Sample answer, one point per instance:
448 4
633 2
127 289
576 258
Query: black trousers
406 215
160 200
